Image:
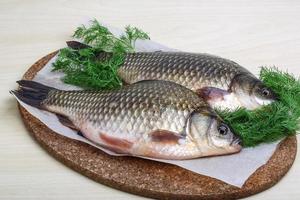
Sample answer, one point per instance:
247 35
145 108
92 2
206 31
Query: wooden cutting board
150 178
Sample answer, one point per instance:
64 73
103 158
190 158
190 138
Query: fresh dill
82 68
101 38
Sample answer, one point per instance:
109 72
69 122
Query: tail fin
101 56
77 45
32 93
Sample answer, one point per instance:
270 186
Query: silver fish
222 82
157 119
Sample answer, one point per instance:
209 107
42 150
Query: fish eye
265 92
223 129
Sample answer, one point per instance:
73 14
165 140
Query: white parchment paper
232 169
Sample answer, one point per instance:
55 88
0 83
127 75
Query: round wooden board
150 178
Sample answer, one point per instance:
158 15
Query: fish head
252 92
212 136
262 94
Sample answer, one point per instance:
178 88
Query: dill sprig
272 122
101 38
82 68
132 34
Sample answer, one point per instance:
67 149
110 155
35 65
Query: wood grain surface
250 32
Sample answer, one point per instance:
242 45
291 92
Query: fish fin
116 150
80 134
148 81
77 45
118 144
211 93
66 121
165 136
32 93
144 81
101 55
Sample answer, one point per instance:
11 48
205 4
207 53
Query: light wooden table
252 33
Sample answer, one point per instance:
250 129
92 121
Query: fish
155 119
223 83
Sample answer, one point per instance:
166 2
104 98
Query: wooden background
252 33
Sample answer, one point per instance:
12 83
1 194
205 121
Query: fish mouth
263 102
236 143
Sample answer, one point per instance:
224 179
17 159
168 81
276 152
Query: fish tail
32 93
102 55
77 45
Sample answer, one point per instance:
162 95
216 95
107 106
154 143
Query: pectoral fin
165 136
212 93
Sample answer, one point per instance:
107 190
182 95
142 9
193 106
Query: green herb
82 68
102 39
272 122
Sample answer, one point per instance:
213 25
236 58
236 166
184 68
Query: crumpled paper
233 169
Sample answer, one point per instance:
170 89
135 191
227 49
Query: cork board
150 178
